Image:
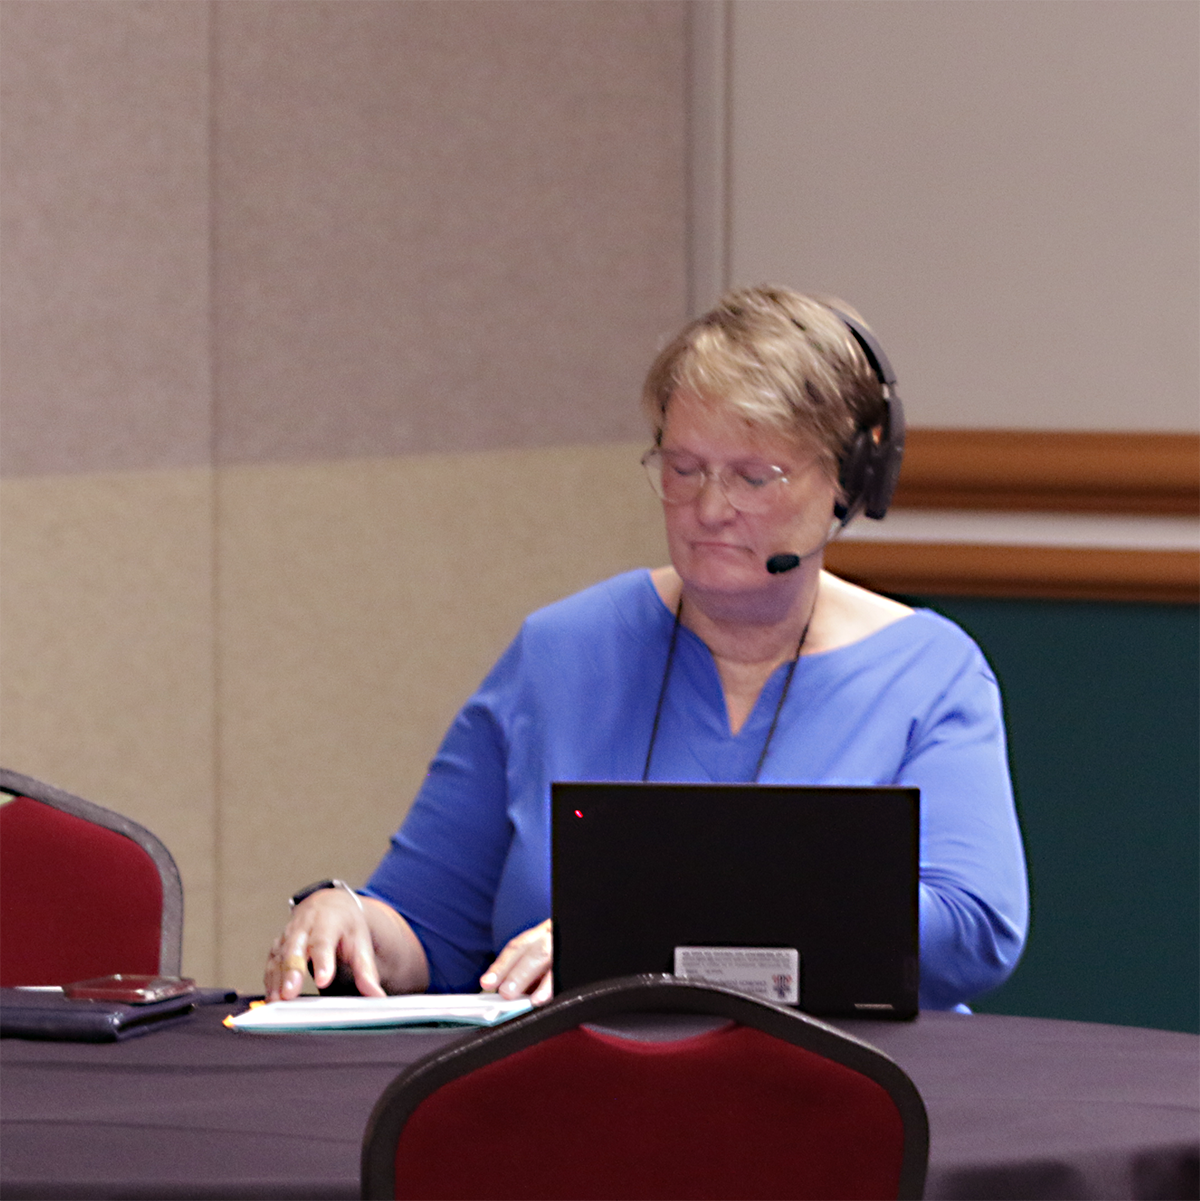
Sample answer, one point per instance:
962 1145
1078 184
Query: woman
714 668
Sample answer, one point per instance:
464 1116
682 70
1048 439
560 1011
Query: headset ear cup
886 457
854 475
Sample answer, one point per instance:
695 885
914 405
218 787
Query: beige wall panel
360 603
106 672
104 239
443 226
1008 191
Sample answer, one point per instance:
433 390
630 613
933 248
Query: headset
870 466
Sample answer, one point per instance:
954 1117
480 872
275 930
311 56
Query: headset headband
870 347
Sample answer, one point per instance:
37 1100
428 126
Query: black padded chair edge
636 994
170 954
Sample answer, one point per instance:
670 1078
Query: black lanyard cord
662 692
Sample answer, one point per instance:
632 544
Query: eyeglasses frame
718 475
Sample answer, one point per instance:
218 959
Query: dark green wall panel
1102 703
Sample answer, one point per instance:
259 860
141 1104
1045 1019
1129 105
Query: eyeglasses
678 478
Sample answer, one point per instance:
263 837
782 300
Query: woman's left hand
523 966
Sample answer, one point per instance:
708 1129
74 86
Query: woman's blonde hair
780 359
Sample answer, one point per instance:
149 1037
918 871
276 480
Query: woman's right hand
327 929
524 966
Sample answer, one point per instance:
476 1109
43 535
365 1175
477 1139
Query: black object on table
1018 1107
49 1014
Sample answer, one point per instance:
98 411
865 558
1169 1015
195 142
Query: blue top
573 698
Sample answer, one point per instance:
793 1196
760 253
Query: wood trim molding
1051 471
1068 573
1037 471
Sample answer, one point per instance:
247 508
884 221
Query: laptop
803 895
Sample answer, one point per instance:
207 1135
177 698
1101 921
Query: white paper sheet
359 1013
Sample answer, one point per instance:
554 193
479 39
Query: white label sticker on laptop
772 973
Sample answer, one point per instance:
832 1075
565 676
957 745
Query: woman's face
714 546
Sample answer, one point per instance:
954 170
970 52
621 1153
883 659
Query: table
1018 1107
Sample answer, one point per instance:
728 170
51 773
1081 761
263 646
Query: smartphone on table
130 989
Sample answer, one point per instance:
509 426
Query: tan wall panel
105 248
360 603
442 226
106 679
1007 191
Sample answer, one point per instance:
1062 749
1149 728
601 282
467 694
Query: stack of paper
357 1013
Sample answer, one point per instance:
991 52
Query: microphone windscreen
778 564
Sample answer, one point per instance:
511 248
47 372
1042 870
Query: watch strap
305 893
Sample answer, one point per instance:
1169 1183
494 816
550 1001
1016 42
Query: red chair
83 891
597 1095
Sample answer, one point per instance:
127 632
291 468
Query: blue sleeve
974 903
441 870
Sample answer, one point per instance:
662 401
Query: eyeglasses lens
748 488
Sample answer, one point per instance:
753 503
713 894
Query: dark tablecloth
1018 1107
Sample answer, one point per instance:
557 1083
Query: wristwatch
305 893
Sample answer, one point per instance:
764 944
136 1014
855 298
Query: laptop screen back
639 870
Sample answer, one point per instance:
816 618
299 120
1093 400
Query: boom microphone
778 564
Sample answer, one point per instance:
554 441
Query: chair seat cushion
730 1113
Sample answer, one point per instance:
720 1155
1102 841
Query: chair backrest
83 891
563 1103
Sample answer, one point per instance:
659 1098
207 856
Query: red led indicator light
578 812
